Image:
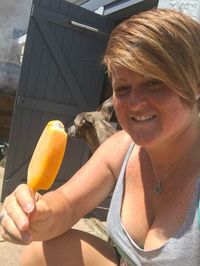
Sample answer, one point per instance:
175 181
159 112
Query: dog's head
94 127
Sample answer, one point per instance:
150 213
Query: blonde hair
160 43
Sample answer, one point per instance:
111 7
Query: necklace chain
158 186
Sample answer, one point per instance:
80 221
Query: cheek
119 107
120 103
121 113
176 115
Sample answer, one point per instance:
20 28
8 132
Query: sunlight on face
147 109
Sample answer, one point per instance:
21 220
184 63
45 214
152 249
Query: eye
122 90
153 82
154 85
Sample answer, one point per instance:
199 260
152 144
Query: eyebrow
142 82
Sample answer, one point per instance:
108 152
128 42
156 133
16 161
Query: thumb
41 212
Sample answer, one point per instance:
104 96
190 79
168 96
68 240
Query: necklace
158 186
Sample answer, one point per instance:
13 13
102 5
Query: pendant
158 188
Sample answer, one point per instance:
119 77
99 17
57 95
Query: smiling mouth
143 118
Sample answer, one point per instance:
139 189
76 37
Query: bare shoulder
120 142
113 151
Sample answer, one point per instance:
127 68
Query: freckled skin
135 95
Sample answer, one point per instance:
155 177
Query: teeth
143 117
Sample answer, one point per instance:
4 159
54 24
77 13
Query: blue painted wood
47 106
61 75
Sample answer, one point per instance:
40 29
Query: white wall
189 7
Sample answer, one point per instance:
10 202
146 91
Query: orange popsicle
47 156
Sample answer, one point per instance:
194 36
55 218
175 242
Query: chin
144 144
144 140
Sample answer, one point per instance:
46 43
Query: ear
106 109
88 117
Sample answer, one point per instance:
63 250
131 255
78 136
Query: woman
153 62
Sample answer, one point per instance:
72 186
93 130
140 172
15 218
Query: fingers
19 205
26 217
16 210
11 233
16 213
25 198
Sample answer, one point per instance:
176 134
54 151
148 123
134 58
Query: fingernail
27 238
28 207
22 223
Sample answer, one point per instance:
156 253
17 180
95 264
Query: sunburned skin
146 108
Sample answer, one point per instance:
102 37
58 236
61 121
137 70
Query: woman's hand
27 217
15 213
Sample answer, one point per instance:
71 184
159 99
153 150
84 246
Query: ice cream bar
47 156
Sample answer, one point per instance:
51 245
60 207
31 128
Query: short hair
159 43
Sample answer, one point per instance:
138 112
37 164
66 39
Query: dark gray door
61 76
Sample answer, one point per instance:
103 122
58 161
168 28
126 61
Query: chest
151 219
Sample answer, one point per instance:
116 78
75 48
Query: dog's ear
106 109
89 117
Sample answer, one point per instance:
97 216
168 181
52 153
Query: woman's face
148 110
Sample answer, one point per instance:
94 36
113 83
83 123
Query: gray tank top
181 249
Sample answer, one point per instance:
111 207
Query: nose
137 99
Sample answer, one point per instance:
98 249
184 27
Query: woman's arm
57 211
89 186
